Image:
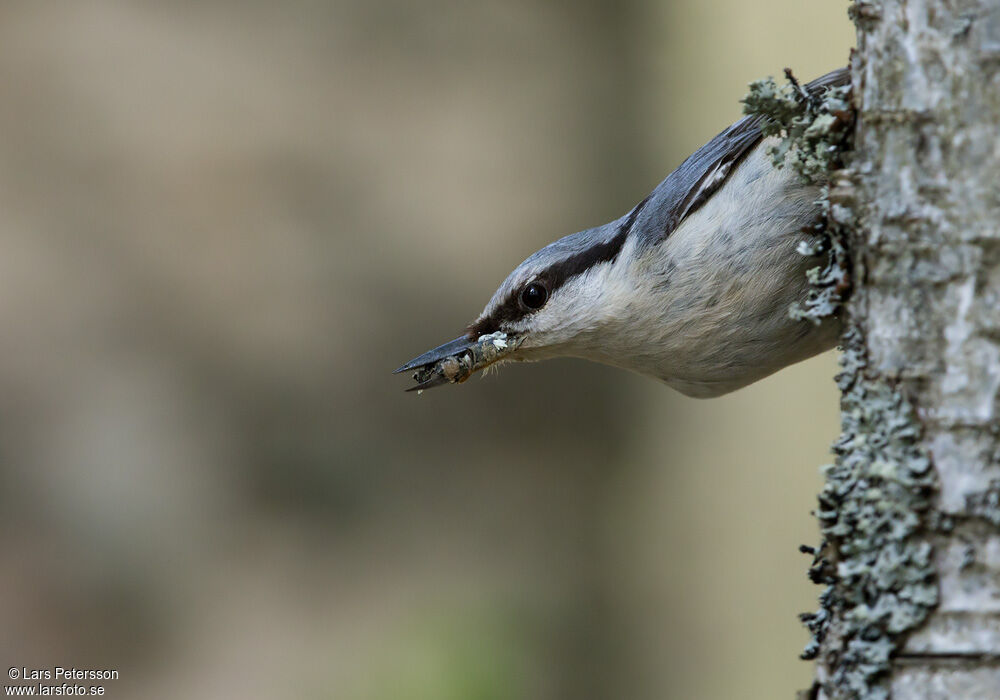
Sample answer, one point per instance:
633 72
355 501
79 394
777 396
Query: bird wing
708 168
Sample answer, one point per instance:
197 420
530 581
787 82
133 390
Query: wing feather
708 168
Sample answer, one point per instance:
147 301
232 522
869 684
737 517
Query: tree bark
911 509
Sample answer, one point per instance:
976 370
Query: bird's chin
533 352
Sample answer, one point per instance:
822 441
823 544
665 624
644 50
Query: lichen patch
874 513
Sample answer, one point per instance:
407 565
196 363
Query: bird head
555 303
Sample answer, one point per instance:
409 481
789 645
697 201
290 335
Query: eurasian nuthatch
692 286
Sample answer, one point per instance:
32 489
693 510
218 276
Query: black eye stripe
558 274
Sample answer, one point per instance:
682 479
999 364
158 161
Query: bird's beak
454 362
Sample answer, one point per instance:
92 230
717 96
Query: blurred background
224 223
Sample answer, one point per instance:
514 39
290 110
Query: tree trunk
911 510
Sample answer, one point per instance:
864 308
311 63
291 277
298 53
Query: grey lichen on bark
875 513
813 126
911 509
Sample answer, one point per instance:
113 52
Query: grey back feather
707 169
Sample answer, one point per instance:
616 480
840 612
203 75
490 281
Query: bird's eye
534 295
